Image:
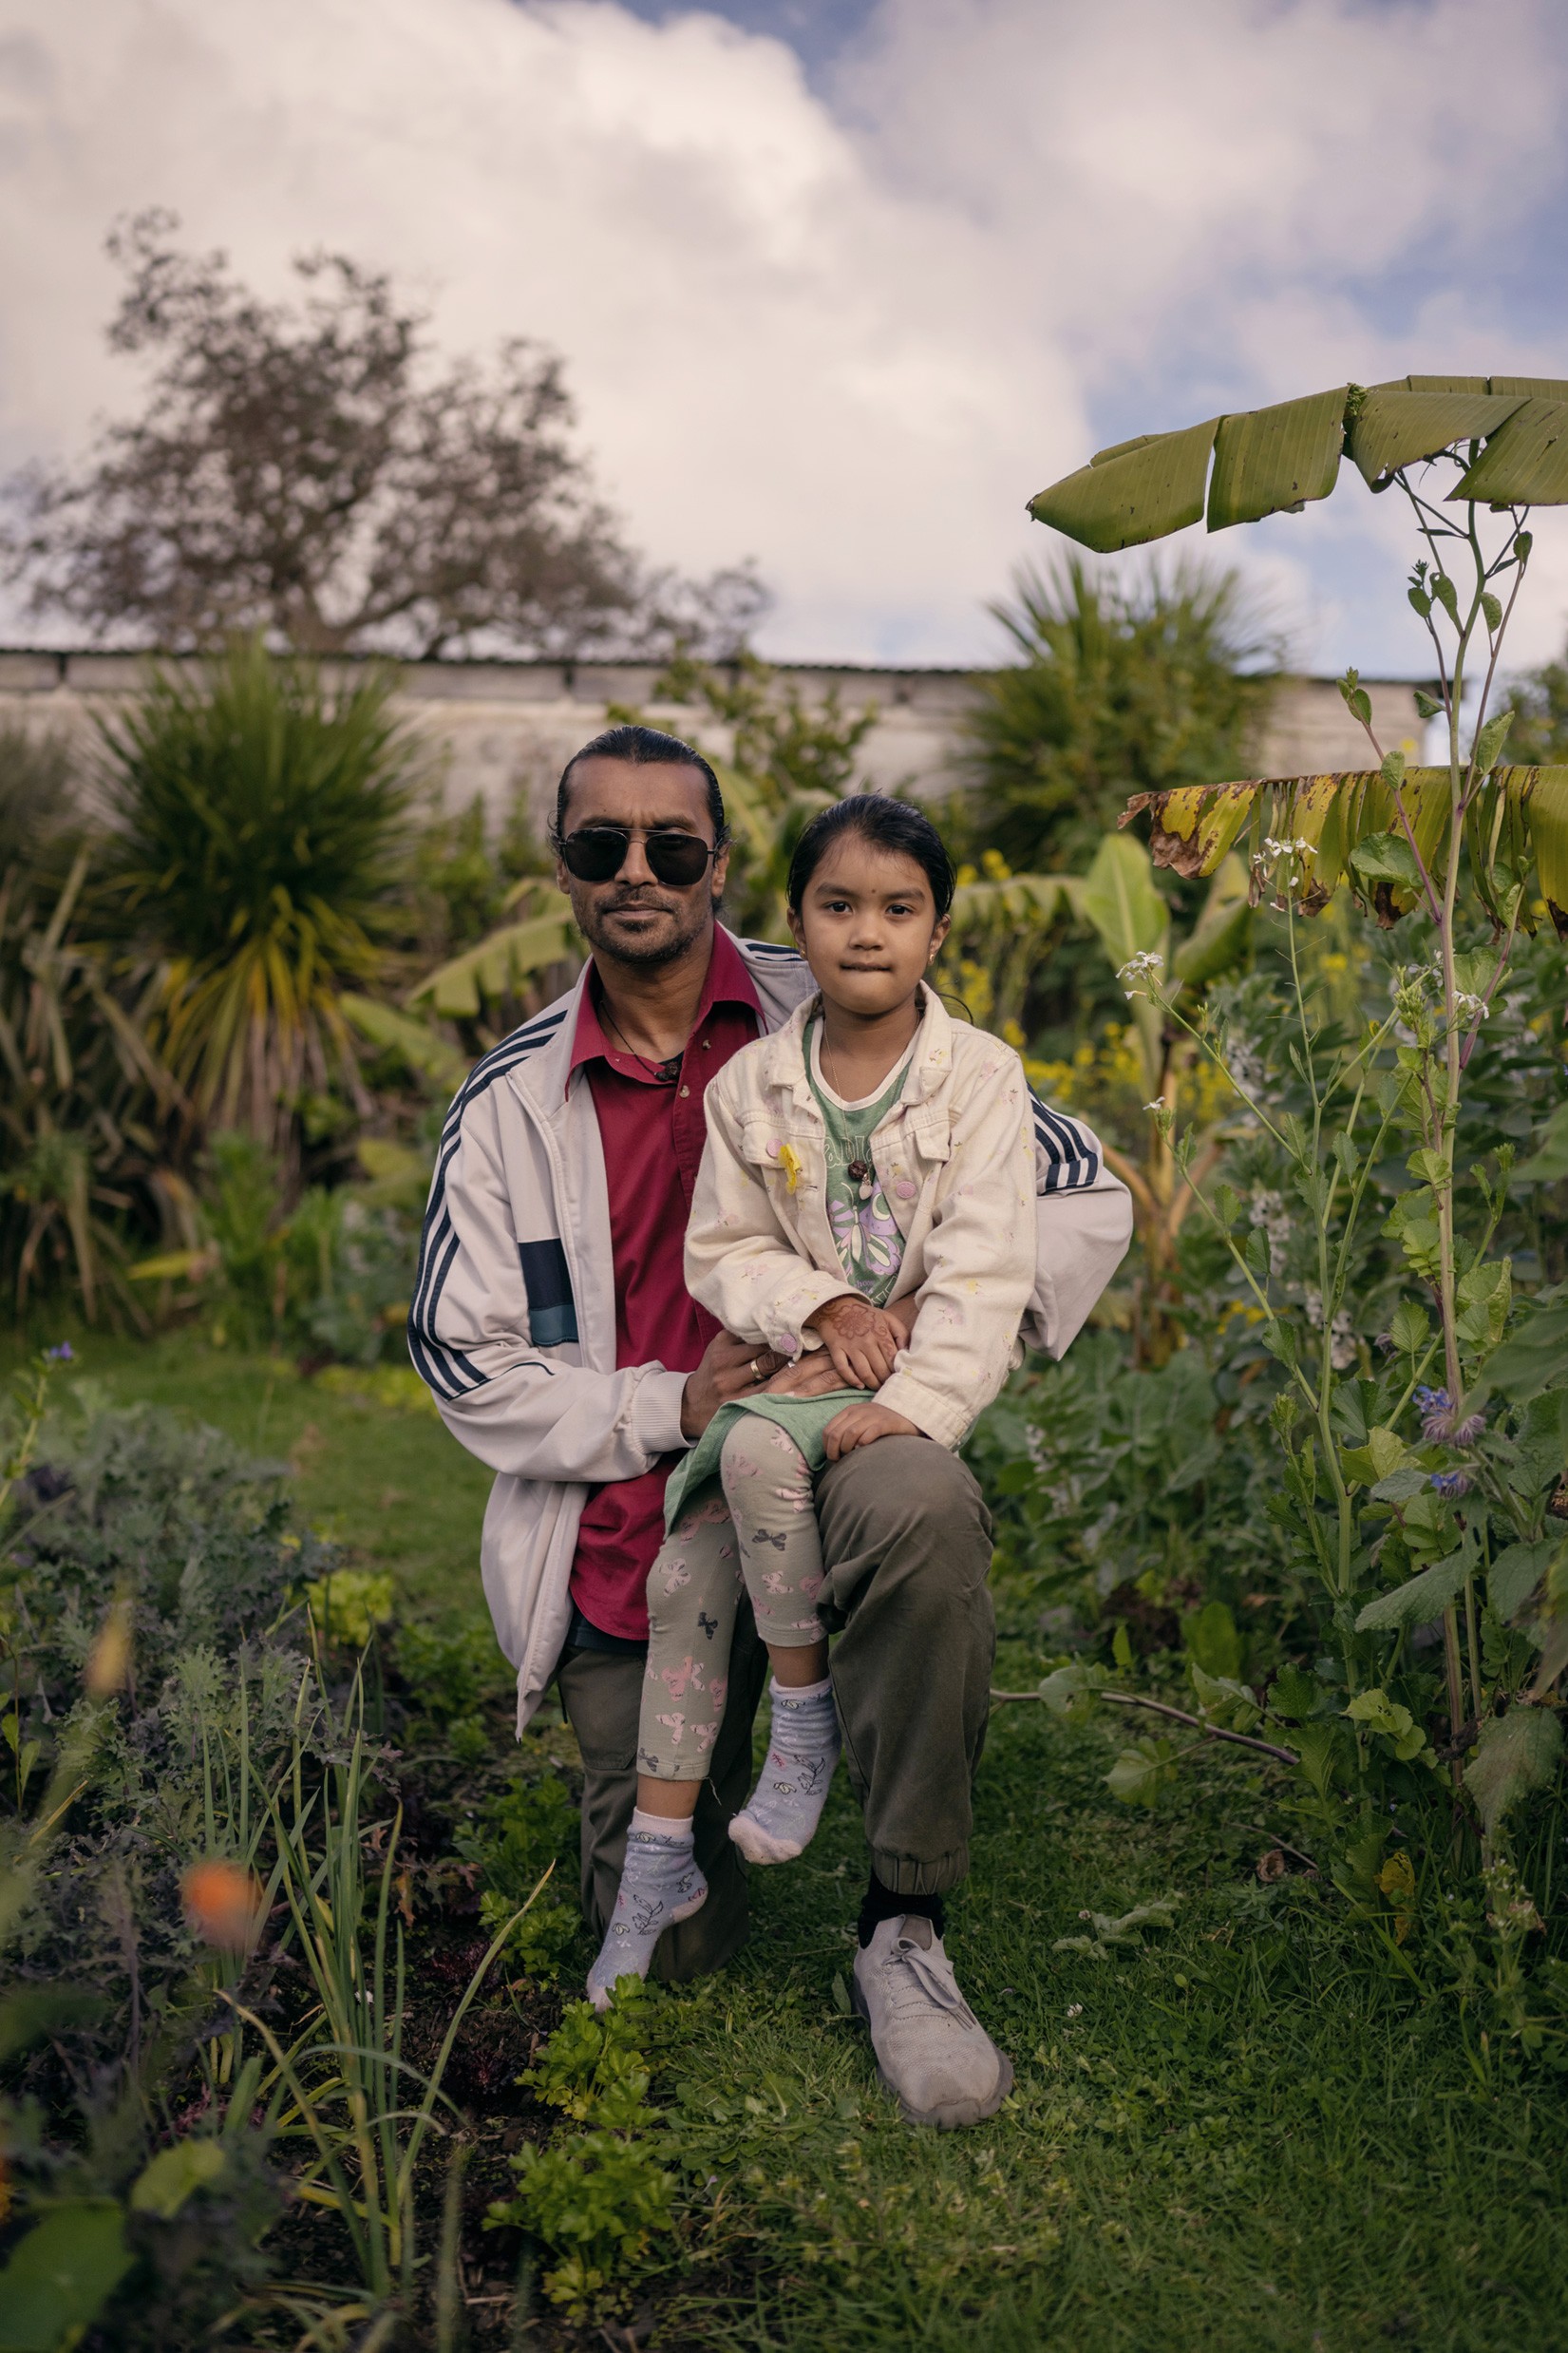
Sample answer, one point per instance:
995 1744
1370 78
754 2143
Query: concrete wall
509 727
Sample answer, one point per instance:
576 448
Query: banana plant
1120 899
1398 837
1471 455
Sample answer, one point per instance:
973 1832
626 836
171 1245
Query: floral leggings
755 1531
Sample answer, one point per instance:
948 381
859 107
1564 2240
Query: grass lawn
1240 2127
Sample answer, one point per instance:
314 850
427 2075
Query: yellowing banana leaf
1141 490
1194 824
498 964
1525 461
1272 459
1399 425
1519 817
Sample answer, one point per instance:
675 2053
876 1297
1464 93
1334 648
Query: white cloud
849 339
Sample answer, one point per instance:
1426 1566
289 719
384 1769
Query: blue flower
65 1354
1449 1482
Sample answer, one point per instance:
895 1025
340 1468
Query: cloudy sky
840 284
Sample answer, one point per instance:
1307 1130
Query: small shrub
598 2198
520 1836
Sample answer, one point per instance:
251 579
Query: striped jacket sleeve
493 1311
1083 1224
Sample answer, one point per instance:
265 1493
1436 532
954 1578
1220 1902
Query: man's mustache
645 903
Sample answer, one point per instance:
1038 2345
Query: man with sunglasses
552 1322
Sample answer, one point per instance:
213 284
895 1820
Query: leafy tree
1115 686
260 819
302 470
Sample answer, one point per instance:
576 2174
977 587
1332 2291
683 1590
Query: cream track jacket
513 1322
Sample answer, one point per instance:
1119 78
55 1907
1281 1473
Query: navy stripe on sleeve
1072 1164
444 1369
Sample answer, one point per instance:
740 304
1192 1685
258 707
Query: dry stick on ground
1179 1716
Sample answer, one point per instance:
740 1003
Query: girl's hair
886 825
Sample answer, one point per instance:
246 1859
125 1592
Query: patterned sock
780 1815
660 1884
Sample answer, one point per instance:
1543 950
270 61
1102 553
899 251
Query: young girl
873 1150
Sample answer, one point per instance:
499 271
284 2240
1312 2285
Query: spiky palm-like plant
260 814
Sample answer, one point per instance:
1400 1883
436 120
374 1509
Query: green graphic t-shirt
871 1248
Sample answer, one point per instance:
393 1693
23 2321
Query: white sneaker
932 2053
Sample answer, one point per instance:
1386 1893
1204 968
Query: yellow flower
792 1165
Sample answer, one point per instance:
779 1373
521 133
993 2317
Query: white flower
1470 1008
1075 2009
1145 967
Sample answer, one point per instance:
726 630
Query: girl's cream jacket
956 1160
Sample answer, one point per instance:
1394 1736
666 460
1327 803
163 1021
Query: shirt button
686 1091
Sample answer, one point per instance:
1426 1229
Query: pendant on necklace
860 1172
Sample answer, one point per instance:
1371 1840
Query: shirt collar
728 983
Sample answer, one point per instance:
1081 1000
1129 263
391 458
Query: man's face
635 918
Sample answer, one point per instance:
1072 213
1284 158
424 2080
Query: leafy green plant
523 1835
342 2084
330 1276
599 2198
86 1103
259 815
1419 1492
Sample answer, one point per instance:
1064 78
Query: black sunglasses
597 853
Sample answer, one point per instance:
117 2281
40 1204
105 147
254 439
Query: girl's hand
862 1425
861 1341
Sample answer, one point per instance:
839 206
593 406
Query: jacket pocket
930 1135
789 1158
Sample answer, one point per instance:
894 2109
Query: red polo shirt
651 1125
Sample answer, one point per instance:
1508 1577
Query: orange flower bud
223 1904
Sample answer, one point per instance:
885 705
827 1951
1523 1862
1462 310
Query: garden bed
1233 2116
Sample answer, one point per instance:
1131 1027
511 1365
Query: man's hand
810 1375
863 1340
730 1368
862 1425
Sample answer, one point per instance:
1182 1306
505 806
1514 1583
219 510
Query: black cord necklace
666 1073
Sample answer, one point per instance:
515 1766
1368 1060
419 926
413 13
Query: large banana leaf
1273 461
1219 936
499 964
420 1045
1138 490
1525 461
1350 822
1119 897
